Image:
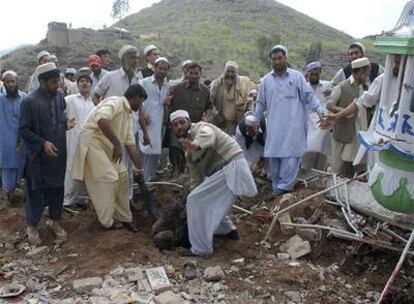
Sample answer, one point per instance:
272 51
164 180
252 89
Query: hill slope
210 31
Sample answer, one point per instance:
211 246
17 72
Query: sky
27 20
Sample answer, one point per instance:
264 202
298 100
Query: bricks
158 279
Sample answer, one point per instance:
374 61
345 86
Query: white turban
7 73
251 120
280 47
161 59
316 65
231 64
127 49
179 114
42 54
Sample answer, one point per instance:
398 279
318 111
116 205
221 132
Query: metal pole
396 269
276 215
242 209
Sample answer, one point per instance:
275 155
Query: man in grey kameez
219 173
286 97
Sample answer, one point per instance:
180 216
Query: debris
186 296
87 284
99 300
158 279
293 240
11 290
238 262
38 252
190 269
133 274
285 218
213 274
168 297
310 234
294 296
283 256
335 223
299 250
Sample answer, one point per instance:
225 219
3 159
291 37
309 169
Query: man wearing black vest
356 50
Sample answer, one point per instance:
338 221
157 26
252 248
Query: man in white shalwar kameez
286 97
318 139
219 173
151 131
78 107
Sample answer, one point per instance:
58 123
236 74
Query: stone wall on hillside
57 34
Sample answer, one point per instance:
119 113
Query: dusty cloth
283 172
231 102
171 230
210 202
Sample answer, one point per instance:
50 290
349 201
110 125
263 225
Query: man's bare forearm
134 156
348 111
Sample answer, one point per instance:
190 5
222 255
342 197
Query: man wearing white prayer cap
41 58
230 96
219 173
44 134
152 123
318 140
151 53
11 161
356 50
70 74
287 98
251 136
344 136
115 83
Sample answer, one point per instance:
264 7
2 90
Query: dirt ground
332 273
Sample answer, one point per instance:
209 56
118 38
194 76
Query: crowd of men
93 133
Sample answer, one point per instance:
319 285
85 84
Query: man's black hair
103 51
134 90
193 65
356 46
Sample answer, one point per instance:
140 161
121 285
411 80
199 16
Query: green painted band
396 161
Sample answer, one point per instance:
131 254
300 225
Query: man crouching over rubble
219 173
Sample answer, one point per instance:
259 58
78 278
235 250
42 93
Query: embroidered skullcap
8 73
316 65
280 47
179 114
161 59
127 49
44 68
360 63
149 48
357 44
70 71
231 64
42 54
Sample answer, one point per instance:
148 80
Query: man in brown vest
344 135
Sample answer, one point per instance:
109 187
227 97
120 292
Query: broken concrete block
86 285
143 286
298 250
310 234
285 218
213 274
293 240
283 256
38 252
158 279
168 297
133 274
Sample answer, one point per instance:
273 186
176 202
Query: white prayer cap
251 120
179 114
231 64
42 54
316 65
161 59
360 63
70 71
149 48
280 47
358 44
185 63
127 49
9 73
53 58
84 69
44 68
